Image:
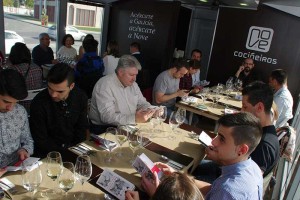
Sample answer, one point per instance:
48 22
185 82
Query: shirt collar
117 80
279 91
136 53
235 167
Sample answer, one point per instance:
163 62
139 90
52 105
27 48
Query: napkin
6 184
189 99
30 162
101 141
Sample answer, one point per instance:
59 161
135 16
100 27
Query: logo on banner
259 39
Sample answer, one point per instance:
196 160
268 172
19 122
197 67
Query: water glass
173 124
121 137
83 171
31 179
108 143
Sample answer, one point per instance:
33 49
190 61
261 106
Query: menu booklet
114 184
205 139
144 165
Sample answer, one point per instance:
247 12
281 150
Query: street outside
30 32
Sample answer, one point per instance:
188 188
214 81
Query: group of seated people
245 150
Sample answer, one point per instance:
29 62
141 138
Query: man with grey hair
117 99
42 53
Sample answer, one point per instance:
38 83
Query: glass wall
23 22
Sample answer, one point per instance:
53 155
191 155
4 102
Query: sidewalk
38 23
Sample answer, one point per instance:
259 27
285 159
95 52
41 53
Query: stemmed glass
31 179
229 86
180 116
54 166
133 144
154 122
121 137
238 84
83 171
173 124
108 143
162 114
204 94
67 178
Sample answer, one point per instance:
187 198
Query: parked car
77 34
11 37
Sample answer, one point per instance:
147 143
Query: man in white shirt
117 99
196 55
282 97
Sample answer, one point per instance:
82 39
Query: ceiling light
205 1
243 4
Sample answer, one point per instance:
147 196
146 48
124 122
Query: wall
230 44
200 36
151 23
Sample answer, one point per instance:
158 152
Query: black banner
269 36
151 23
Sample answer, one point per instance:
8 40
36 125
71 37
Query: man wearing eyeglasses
246 72
58 115
15 139
42 53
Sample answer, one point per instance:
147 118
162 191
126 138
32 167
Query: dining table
184 149
206 106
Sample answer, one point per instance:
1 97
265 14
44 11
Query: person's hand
54 61
142 116
131 195
150 185
2 171
166 169
23 154
241 68
181 93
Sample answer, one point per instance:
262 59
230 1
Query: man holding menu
238 136
15 139
58 114
117 99
166 86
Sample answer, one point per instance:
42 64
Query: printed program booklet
144 165
114 184
205 139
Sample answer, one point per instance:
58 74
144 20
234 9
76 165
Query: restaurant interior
170 29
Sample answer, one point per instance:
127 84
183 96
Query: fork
11 190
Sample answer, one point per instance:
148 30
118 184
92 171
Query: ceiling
288 6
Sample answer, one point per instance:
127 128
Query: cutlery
10 189
171 163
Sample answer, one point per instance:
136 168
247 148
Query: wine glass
108 143
173 124
238 84
31 179
54 163
229 88
133 144
66 179
83 171
154 122
162 115
121 137
180 115
204 94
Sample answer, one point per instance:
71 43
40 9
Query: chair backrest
147 93
287 141
26 102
